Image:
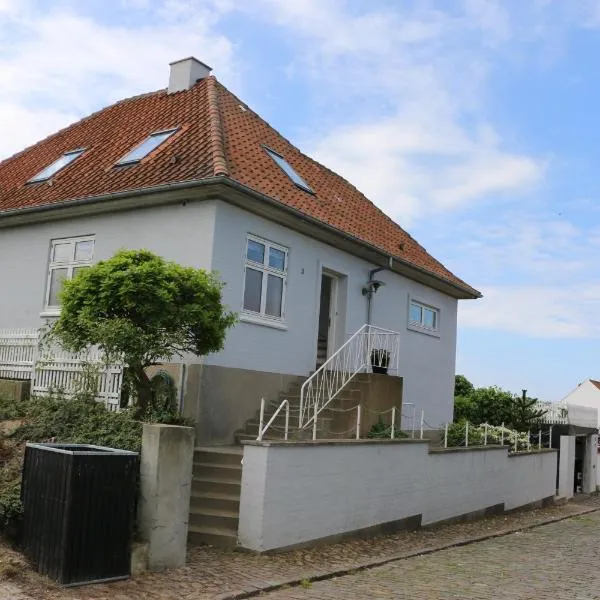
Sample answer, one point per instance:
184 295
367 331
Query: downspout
369 290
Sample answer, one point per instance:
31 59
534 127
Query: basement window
60 163
151 143
289 170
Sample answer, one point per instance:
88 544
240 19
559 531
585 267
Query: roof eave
238 194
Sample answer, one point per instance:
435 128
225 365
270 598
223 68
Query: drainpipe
372 286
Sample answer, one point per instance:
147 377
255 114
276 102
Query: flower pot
380 359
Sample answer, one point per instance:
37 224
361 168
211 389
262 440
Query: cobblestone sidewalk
557 562
216 574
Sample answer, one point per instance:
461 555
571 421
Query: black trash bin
78 503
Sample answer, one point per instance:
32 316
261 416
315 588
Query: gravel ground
212 573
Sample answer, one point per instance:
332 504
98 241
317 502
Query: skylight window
289 170
152 142
60 163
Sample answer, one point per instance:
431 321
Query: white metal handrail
262 430
370 347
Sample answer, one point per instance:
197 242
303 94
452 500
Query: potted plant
380 359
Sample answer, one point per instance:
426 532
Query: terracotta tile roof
218 135
596 383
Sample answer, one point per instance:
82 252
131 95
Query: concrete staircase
332 423
215 499
217 476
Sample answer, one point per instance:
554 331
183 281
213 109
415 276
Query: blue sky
473 123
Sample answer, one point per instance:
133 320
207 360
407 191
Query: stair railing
369 347
262 430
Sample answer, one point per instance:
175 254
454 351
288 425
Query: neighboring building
193 174
586 394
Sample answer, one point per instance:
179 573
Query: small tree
525 413
145 310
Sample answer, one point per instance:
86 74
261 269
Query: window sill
419 329
50 313
258 320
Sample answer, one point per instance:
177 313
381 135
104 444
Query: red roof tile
219 135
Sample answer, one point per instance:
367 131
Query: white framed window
423 316
265 277
67 257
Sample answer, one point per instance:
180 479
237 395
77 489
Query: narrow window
265 273
289 170
152 142
421 315
67 258
60 163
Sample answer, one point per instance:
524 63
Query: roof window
152 142
60 163
289 170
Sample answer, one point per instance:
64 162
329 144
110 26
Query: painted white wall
298 493
180 233
213 235
585 394
427 362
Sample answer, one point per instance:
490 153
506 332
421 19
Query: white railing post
516 441
287 419
540 439
422 422
314 433
502 434
261 420
485 433
466 434
358 415
550 437
413 421
393 422
446 436
529 441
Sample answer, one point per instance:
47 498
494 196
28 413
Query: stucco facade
212 234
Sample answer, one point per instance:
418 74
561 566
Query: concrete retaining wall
294 494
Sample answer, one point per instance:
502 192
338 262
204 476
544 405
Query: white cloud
64 65
538 311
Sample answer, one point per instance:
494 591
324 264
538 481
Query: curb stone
369 564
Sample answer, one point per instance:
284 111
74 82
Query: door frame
336 328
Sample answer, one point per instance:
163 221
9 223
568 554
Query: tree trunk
143 389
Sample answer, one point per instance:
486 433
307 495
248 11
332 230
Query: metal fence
52 369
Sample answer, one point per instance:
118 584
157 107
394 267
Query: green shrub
76 421
383 431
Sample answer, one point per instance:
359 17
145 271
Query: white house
586 394
193 174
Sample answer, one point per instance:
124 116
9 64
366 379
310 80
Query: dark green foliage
383 431
79 421
142 309
462 386
525 412
494 406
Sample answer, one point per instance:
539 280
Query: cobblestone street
559 561
561 557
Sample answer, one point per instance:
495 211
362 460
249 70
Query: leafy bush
383 431
79 421
54 418
477 436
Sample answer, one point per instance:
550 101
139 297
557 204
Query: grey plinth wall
165 487
297 493
566 466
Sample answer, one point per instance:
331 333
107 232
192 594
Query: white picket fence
54 369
